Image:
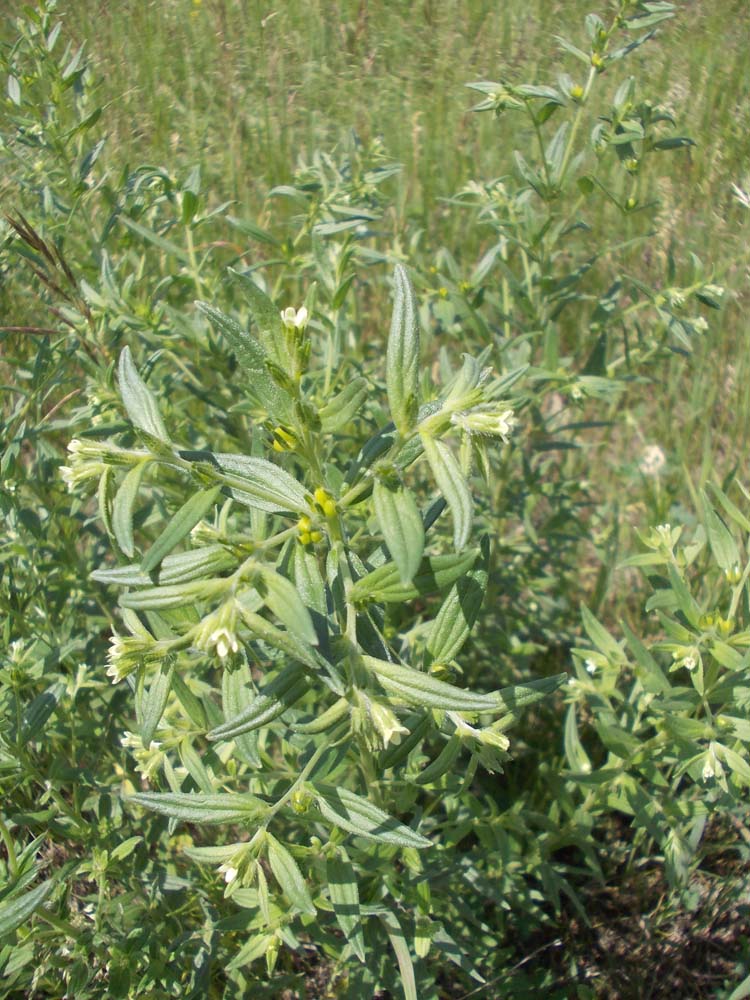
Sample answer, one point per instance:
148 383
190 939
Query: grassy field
257 96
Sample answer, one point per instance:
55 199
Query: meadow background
247 92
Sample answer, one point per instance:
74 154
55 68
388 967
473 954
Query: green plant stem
10 848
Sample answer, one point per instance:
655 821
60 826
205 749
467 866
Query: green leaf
184 567
344 406
180 525
601 638
577 757
452 484
650 673
150 702
122 509
255 482
276 697
39 711
685 600
402 355
190 807
435 573
426 690
287 874
252 358
723 545
401 524
267 320
139 401
359 816
13 912
238 694
458 612
307 579
174 596
403 955
282 598
159 241
342 887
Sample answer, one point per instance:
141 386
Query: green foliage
337 571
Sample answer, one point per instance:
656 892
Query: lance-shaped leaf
402 356
150 701
122 509
428 691
139 401
180 525
286 872
252 358
173 596
452 484
282 598
435 573
13 912
459 610
237 695
267 320
276 697
255 482
39 711
359 816
401 524
344 406
403 955
723 545
183 567
344 892
223 807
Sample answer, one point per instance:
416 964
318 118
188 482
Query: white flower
590 666
690 663
708 769
488 421
652 460
229 873
224 641
294 319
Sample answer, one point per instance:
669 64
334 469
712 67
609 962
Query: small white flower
700 324
590 666
652 460
294 319
491 422
708 769
229 873
690 663
224 641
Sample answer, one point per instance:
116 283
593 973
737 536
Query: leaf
401 524
601 638
282 598
139 401
426 690
184 567
458 612
342 887
252 358
359 816
238 695
403 956
39 711
435 573
256 482
122 509
13 912
344 406
181 524
723 545
577 757
14 90
193 807
287 874
650 673
267 320
402 354
452 484
276 697
174 596
150 703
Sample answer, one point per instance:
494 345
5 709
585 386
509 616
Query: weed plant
298 698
